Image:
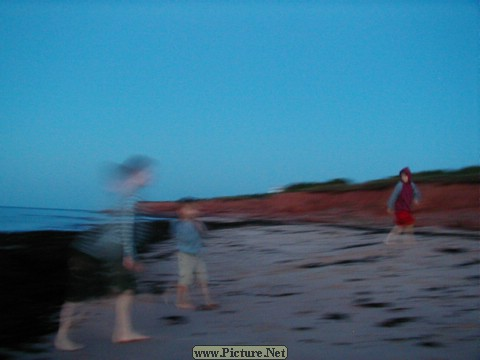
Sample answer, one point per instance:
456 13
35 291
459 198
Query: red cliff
453 205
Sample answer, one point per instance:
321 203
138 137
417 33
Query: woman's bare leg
62 341
123 331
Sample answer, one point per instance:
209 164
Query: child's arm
201 228
391 201
417 196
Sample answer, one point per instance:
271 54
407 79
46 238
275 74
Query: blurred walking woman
112 249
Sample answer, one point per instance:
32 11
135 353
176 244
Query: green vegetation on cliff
468 175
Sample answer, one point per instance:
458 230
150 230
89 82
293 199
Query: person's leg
62 341
185 278
124 283
394 233
410 234
209 303
123 331
202 276
183 297
80 266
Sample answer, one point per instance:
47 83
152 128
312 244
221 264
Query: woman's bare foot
129 337
65 344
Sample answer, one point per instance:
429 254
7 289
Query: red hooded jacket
404 193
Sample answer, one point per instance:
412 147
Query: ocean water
24 219
35 248
21 219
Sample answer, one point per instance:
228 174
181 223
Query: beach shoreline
329 290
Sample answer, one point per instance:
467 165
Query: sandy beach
324 292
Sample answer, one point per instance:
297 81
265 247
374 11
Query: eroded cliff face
455 205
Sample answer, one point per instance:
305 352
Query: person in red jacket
400 203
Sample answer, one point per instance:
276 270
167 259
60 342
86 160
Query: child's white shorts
191 267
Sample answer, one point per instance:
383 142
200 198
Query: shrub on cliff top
468 175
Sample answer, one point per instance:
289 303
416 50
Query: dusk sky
232 97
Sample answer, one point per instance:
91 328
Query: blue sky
232 97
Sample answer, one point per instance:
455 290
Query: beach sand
324 292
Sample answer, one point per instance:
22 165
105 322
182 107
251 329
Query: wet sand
323 291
